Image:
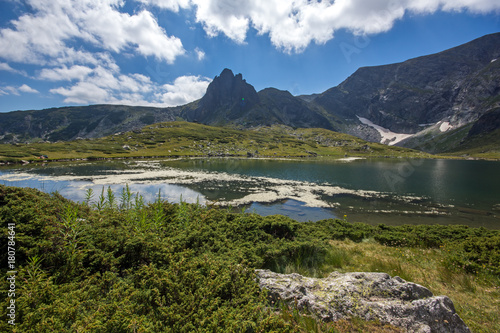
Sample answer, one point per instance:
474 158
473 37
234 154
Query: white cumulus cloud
47 33
75 43
76 72
12 90
7 68
173 5
230 17
199 54
27 89
97 85
293 24
185 89
105 85
83 93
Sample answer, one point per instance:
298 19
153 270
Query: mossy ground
116 264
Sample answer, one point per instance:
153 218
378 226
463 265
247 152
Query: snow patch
493 60
388 137
350 159
445 126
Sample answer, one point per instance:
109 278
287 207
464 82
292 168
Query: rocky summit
231 100
227 99
370 296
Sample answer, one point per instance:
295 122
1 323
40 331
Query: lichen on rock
370 296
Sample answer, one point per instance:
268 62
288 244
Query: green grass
116 264
179 139
486 146
476 296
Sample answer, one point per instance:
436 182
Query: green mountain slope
483 138
175 139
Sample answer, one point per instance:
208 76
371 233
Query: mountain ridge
410 103
425 89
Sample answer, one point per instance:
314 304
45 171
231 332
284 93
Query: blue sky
165 52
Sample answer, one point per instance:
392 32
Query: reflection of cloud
149 177
168 192
74 189
439 179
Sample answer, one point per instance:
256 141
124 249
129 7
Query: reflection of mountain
149 192
430 102
218 191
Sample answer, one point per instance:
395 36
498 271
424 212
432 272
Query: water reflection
150 192
294 209
388 191
439 180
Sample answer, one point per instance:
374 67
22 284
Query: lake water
390 191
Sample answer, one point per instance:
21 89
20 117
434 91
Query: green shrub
116 264
476 254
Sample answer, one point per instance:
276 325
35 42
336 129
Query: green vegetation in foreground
191 139
115 264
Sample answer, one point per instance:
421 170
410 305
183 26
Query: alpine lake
374 191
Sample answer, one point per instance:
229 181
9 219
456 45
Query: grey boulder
370 296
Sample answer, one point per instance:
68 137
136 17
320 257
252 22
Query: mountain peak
229 78
227 97
226 73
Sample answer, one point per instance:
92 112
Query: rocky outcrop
228 97
368 296
489 122
231 100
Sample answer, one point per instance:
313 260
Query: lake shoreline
178 139
392 191
263 157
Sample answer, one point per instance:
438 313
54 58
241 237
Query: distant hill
429 103
69 123
481 139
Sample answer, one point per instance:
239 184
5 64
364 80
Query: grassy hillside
480 139
191 139
116 265
484 145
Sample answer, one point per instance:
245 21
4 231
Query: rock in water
370 296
